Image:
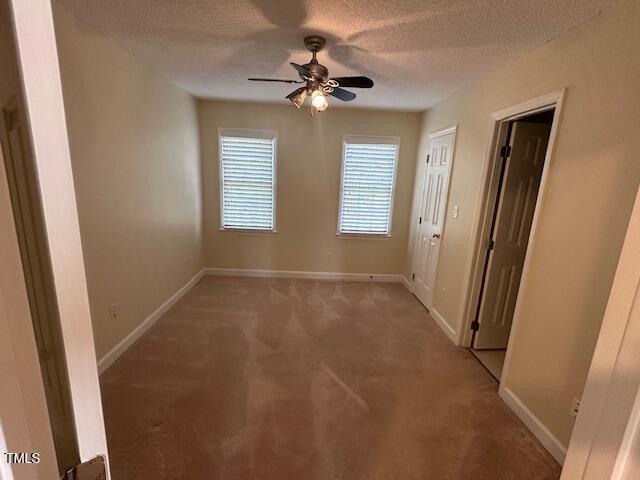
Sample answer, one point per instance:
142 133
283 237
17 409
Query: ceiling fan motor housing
318 71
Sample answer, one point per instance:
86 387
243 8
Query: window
368 184
247 179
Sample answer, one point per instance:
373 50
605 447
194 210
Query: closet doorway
520 166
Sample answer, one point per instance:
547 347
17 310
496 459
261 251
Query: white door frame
484 208
38 59
610 409
440 133
24 420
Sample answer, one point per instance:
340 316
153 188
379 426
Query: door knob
435 235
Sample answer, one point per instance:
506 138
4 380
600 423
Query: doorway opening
518 171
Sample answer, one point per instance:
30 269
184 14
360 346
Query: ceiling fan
317 82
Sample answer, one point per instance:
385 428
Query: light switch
456 209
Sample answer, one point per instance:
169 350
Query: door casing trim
482 214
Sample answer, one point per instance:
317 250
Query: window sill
247 231
380 237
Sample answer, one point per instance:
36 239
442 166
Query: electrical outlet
575 407
114 312
456 211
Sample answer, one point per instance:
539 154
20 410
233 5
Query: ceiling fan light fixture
319 100
298 99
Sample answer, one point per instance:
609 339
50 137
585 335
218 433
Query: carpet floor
278 379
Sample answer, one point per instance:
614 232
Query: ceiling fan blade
296 92
274 80
301 70
354 82
343 95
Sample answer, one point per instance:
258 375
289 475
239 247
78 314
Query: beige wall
309 159
135 153
592 184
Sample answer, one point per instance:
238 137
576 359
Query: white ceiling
418 52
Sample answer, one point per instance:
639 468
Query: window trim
368 139
248 133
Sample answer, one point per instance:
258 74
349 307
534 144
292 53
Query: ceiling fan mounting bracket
314 43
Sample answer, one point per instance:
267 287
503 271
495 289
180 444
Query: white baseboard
336 276
533 423
407 283
442 323
107 360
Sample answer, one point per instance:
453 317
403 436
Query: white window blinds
247 179
368 176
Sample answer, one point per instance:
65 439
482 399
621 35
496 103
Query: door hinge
428 156
491 245
413 277
505 151
93 469
420 221
475 325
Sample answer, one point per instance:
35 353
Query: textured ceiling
418 52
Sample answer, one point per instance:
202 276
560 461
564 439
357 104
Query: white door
516 206
25 419
432 215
